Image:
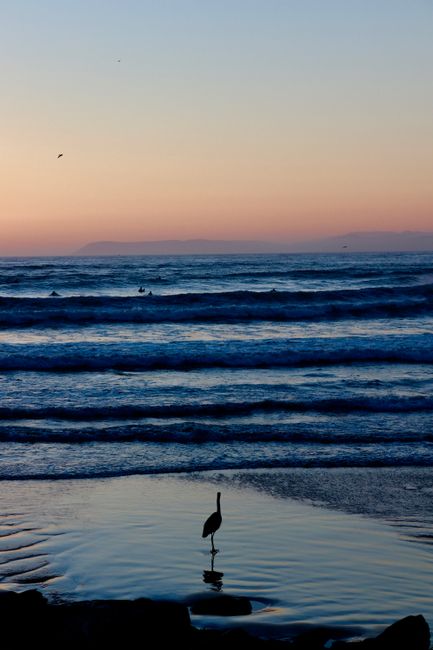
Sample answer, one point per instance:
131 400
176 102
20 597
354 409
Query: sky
277 120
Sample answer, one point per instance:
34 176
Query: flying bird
60 155
212 523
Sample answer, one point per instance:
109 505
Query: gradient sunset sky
225 119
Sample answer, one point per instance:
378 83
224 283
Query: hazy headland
356 242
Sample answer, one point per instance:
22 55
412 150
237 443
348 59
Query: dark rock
314 639
8 599
232 639
119 622
410 633
32 599
28 600
222 605
29 621
239 638
23 617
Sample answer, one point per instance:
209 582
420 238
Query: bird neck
218 502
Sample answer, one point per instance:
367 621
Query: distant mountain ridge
178 247
370 241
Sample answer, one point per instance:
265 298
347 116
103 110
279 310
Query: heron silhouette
212 523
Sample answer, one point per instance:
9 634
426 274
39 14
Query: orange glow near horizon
63 204
300 135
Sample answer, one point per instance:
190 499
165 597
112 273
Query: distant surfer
54 294
150 293
141 290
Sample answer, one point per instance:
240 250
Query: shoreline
386 493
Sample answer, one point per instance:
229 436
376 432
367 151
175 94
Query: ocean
223 362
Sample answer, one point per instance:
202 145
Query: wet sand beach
297 543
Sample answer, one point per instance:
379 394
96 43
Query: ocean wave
361 456
230 306
186 355
371 404
191 433
323 273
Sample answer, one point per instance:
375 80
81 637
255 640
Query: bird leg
214 550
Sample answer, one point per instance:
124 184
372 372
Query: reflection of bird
213 522
60 155
213 577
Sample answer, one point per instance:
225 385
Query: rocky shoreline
28 619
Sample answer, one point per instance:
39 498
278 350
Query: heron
213 522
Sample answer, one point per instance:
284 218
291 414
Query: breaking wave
229 306
185 355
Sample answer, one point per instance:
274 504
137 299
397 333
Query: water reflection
212 577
